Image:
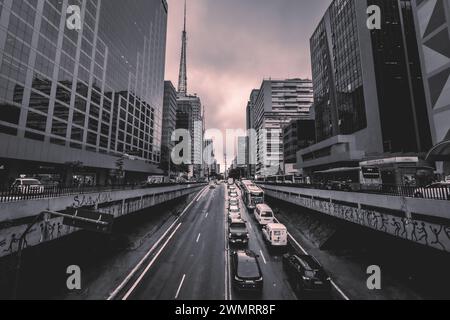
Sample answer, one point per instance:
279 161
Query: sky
234 44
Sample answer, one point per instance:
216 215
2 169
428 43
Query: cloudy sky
234 44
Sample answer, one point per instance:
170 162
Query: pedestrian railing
430 192
32 193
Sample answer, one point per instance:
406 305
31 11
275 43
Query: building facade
278 103
366 82
86 97
432 19
169 121
190 117
251 147
297 135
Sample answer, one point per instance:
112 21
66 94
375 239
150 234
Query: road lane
276 285
192 266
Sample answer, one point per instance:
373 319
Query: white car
438 190
234 212
263 214
233 202
27 186
275 234
233 194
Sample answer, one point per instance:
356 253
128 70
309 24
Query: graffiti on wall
89 200
52 229
425 233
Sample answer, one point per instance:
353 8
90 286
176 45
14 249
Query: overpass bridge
18 211
423 221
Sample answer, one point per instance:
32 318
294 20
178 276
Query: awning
440 152
337 170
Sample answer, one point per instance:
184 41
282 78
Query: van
275 234
263 214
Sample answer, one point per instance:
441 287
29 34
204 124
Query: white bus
252 195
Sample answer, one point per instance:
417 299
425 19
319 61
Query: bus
252 195
350 179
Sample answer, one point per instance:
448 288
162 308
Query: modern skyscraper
189 109
277 104
251 142
169 121
366 82
297 135
190 117
87 96
432 19
241 152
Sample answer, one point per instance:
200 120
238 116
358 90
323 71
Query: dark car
306 274
339 186
246 272
237 232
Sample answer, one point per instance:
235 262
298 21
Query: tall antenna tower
182 80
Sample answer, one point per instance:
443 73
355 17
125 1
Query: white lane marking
203 194
179 287
340 291
305 252
226 251
127 295
262 256
198 238
206 215
138 266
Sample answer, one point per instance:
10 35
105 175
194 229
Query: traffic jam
246 213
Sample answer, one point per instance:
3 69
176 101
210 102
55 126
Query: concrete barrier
422 221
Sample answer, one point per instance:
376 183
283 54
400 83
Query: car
263 214
338 186
233 215
237 232
438 190
233 201
211 186
230 190
234 212
306 274
246 272
27 186
275 234
233 194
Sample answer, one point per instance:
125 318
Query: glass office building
432 19
88 96
366 83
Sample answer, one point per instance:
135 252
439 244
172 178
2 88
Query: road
192 262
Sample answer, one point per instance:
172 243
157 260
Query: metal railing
433 193
30 193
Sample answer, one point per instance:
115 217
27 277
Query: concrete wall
15 216
426 222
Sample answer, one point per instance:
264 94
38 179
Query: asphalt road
194 263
